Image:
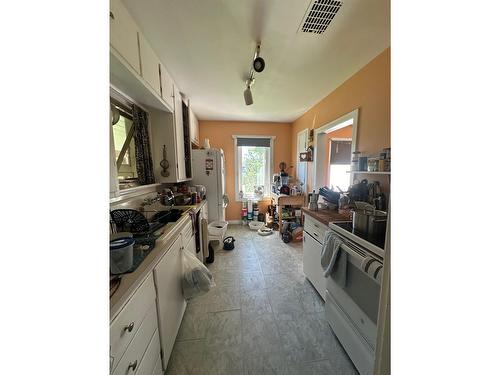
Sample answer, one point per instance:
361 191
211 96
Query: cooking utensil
164 164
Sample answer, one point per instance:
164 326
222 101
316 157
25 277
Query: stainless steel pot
377 223
369 221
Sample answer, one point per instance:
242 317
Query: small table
281 200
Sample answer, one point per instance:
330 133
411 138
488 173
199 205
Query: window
253 167
125 150
340 163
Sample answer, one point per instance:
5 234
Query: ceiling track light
258 65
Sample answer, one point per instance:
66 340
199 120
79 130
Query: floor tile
260 335
262 317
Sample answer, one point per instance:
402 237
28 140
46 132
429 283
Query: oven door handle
374 266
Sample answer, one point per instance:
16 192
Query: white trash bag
196 278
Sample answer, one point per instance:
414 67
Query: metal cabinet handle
132 365
111 15
316 234
130 327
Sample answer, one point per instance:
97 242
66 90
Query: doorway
302 137
322 146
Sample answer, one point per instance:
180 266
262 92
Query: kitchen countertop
131 281
326 216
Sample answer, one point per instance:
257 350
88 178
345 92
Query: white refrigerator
208 168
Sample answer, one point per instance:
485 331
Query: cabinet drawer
125 326
151 357
315 228
131 360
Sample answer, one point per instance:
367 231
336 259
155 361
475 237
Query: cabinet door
193 127
179 136
170 300
191 246
113 173
150 64
167 86
312 264
123 34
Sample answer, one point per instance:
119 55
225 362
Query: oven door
359 298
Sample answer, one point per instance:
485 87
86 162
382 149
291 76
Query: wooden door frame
306 130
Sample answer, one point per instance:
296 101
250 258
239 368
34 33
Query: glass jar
387 152
372 164
355 161
362 163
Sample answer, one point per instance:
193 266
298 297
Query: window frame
237 167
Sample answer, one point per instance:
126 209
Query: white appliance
208 168
352 309
312 242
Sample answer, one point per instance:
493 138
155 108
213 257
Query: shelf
367 172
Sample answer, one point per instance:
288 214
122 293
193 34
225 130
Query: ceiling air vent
320 15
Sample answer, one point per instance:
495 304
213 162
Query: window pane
128 168
339 176
253 169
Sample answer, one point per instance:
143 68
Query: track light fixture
258 65
247 94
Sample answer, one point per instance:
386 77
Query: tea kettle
313 201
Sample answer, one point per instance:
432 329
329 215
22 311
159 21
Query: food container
387 152
355 161
363 163
387 165
121 256
373 165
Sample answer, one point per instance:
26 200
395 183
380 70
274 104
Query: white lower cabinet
158 369
133 356
191 246
131 320
312 263
170 300
151 356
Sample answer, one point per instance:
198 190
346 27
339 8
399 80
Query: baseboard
237 222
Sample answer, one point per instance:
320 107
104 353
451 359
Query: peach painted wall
368 90
220 135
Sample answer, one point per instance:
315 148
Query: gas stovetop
375 243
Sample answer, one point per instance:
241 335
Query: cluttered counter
326 216
129 282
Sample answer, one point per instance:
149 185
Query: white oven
352 308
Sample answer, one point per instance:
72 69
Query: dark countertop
326 216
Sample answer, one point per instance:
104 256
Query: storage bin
121 254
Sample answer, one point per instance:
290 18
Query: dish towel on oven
333 259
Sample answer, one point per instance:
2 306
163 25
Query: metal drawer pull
112 15
132 365
130 327
316 234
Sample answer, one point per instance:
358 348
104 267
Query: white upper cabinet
194 128
167 86
123 34
150 64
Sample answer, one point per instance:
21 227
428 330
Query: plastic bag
196 278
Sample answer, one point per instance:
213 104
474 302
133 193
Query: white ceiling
208 47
